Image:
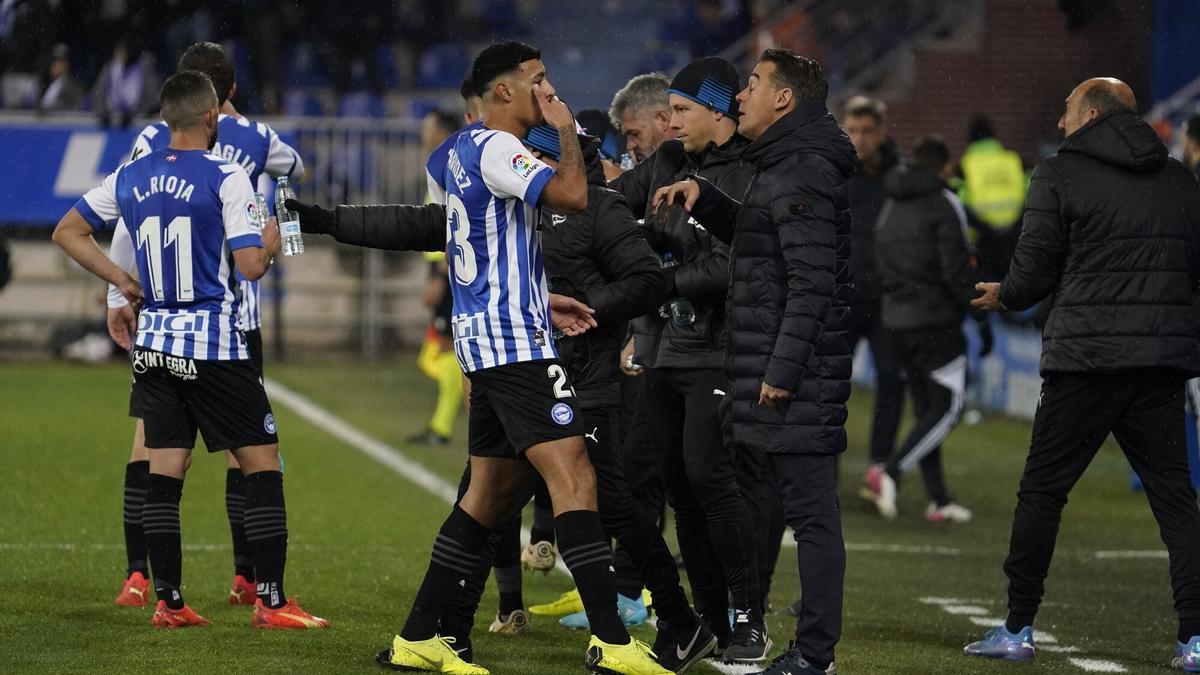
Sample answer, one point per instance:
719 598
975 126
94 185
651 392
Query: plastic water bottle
263 216
626 161
680 311
289 221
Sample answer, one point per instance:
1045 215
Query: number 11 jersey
186 211
491 185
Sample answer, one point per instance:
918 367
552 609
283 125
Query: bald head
1093 98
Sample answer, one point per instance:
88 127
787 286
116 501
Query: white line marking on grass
374 448
968 610
1097 665
1058 649
986 621
935 600
1152 554
858 547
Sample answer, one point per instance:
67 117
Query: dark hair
1104 99
800 74
865 106
210 58
499 59
930 153
448 122
980 128
467 89
1193 128
185 97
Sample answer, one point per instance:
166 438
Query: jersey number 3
465 269
179 234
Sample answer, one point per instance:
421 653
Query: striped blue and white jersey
256 148
491 186
186 212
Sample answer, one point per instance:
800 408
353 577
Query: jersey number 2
465 269
561 390
179 233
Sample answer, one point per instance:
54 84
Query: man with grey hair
642 112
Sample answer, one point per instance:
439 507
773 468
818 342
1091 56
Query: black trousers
1144 411
636 532
756 480
643 473
808 492
716 533
889 387
936 365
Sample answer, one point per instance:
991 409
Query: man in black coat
683 381
787 356
599 257
1112 235
926 284
865 122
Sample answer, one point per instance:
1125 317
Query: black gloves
313 218
986 338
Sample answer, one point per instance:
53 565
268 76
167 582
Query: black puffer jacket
703 273
790 284
598 256
867 193
1112 230
921 254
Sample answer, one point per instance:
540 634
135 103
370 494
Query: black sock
1014 623
235 509
266 531
585 550
454 559
508 580
137 474
160 518
1188 629
543 526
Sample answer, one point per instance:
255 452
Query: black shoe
677 652
428 437
791 662
750 643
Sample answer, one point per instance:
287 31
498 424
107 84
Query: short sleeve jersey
491 185
186 211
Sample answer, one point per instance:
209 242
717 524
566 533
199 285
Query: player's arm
253 248
74 235
566 191
282 159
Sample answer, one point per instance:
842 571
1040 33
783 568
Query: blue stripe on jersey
525 291
89 214
502 269
245 241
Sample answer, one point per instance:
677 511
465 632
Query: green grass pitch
360 536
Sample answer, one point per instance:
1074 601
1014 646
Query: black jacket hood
1119 138
809 128
907 182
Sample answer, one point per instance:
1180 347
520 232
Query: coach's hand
132 290
773 396
571 316
122 325
684 192
627 365
313 219
554 110
990 300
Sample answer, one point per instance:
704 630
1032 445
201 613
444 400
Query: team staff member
927 283
789 294
683 382
1112 235
640 111
192 361
258 149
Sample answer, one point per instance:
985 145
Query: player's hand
571 316
122 325
270 237
990 300
132 290
626 363
554 110
773 396
313 219
685 192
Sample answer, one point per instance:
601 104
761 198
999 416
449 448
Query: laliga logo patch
562 414
522 164
269 423
252 215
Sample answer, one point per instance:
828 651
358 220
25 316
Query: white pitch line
859 547
967 610
1151 554
986 621
1097 665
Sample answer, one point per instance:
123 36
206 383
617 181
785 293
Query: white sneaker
539 557
885 501
950 513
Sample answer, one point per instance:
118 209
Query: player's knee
255 459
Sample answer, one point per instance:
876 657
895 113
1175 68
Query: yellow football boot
435 655
634 658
